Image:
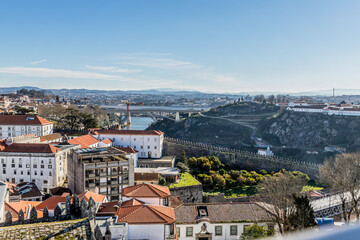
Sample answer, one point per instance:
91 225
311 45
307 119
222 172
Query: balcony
91 185
91 175
103 174
103 184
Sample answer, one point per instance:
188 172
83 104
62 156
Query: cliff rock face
314 130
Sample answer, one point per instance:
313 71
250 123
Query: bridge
147 109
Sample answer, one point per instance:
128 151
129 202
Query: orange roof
106 141
31 148
132 202
146 190
108 208
50 203
146 214
2 145
15 207
85 141
95 196
127 149
12 188
22 120
128 132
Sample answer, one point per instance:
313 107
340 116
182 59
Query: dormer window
202 211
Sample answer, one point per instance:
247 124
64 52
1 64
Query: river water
140 123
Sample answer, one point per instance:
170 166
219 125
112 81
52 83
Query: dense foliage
32 93
255 231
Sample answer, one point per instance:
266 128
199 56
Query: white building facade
148 143
18 125
43 164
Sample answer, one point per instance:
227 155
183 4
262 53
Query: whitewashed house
43 164
148 143
218 221
18 125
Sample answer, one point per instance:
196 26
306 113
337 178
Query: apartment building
43 164
103 170
148 143
18 125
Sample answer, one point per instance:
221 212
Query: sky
211 46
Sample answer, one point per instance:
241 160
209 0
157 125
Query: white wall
211 229
8 131
148 231
141 143
151 201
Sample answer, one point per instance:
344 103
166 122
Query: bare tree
276 192
343 174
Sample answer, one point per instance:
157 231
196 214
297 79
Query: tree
343 174
71 119
182 167
259 98
183 158
277 193
271 99
219 181
162 180
23 111
254 232
303 217
88 121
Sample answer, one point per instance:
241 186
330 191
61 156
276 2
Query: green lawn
309 188
186 179
235 192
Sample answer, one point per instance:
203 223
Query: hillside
311 130
206 130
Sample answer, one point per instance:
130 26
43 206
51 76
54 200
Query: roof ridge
159 213
132 212
153 186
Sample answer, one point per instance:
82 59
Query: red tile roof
31 148
109 208
127 149
15 207
106 141
146 214
85 141
146 191
2 145
22 120
128 132
50 203
95 196
132 202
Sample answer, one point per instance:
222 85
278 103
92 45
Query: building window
50 166
13 165
45 190
218 230
20 165
4 165
35 173
42 166
189 231
28 172
21 180
27 165
4 171
2 160
148 147
233 230
45 181
155 147
141 146
172 232
35 165
14 172
33 180
178 231
41 173
50 173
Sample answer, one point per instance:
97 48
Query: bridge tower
177 117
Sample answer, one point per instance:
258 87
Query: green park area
186 179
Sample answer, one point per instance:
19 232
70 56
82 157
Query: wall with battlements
241 159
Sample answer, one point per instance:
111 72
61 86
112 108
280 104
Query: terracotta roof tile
85 141
106 141
146 190
15 207
22 120
222 212
50 203
132 202
146 214
127 149
109 208
95 196
31 148
128 132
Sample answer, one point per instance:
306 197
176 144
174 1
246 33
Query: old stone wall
189 194
241 159
57 230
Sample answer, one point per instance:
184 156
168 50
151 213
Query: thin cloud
112 69
58 73
38 62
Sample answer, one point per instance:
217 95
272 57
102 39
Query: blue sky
215 46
